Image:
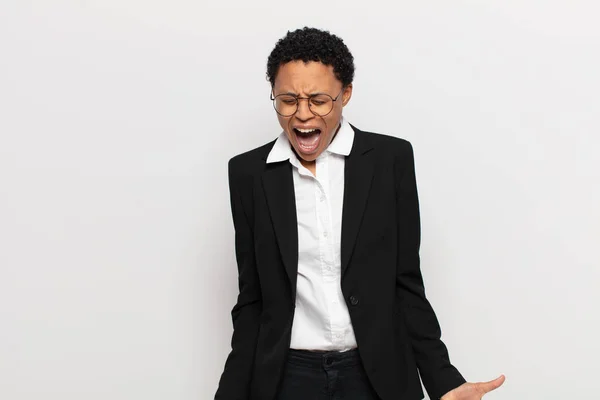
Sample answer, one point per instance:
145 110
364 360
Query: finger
492 385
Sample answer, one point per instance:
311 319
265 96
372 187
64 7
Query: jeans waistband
324 359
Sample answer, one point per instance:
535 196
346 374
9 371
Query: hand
473 391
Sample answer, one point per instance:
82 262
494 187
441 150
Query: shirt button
325 234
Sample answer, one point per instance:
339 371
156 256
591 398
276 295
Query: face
308 133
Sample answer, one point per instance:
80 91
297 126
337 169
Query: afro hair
311 44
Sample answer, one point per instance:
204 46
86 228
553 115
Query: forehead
301 77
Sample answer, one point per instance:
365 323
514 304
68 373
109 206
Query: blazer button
354 300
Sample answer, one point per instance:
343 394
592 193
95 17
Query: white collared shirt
321 319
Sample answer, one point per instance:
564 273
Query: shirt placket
330 273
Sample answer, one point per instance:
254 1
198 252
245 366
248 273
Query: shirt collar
341 144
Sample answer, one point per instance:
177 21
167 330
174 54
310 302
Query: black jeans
325 376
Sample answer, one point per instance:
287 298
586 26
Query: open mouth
308 139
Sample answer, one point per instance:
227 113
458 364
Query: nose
303 113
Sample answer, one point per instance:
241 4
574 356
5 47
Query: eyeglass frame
298 98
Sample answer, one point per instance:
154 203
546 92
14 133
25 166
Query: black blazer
396 329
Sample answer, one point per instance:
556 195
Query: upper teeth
306 130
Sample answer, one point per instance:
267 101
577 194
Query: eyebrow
296 95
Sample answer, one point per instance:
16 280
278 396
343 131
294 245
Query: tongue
308 143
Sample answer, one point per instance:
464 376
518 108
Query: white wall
117 118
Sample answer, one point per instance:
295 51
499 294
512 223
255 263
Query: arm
438 374
236 377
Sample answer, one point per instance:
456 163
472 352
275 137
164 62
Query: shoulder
385 144
251 161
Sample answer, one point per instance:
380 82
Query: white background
118 117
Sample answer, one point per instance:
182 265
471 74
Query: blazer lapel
358 175
278 185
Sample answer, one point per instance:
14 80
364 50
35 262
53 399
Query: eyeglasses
319 104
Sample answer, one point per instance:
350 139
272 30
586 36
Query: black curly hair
311 44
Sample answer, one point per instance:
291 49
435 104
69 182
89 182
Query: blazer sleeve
237 374
438 374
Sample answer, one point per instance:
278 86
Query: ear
347 95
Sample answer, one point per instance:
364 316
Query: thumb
492 385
